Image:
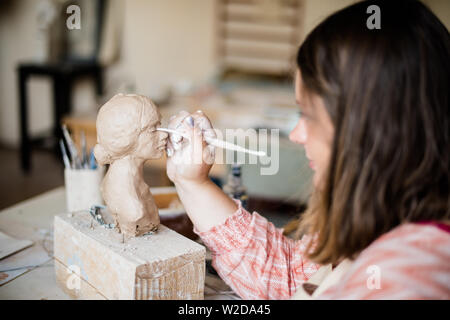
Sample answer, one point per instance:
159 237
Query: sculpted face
151 144
126 126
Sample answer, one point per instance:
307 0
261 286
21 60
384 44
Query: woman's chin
316 180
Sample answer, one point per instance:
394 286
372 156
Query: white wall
18 42
166 41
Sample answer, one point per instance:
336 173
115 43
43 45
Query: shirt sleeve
254 257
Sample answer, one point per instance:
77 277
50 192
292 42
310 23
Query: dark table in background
63 75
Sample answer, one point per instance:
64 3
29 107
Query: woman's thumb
197 145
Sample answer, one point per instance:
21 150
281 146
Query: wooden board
163 265
260 29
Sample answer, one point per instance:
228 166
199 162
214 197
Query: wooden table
33 219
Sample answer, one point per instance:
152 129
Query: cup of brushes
82 175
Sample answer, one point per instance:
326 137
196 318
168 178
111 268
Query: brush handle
218 143
231 146
72 149
173 131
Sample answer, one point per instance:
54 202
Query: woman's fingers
169 148
203 122
197 145
192 157
175 123
196 126
176 119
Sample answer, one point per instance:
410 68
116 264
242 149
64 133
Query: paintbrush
64 154
72 149
84 159
218 143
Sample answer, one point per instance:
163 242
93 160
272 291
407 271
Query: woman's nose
298 134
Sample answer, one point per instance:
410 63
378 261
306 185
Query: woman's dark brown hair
387 93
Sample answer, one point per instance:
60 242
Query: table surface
33 219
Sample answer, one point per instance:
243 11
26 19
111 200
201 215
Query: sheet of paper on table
9 245
18 257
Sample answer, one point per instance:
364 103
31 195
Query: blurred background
234 59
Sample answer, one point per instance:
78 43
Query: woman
375 126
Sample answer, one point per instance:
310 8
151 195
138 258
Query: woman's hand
189 157
188 164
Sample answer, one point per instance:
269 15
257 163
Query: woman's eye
304 115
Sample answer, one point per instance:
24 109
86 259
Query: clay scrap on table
126 138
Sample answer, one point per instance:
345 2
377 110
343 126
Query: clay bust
126 138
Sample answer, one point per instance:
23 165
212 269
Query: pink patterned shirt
254 258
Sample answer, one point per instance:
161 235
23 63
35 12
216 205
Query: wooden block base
73 285
92 262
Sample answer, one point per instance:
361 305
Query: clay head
126 125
